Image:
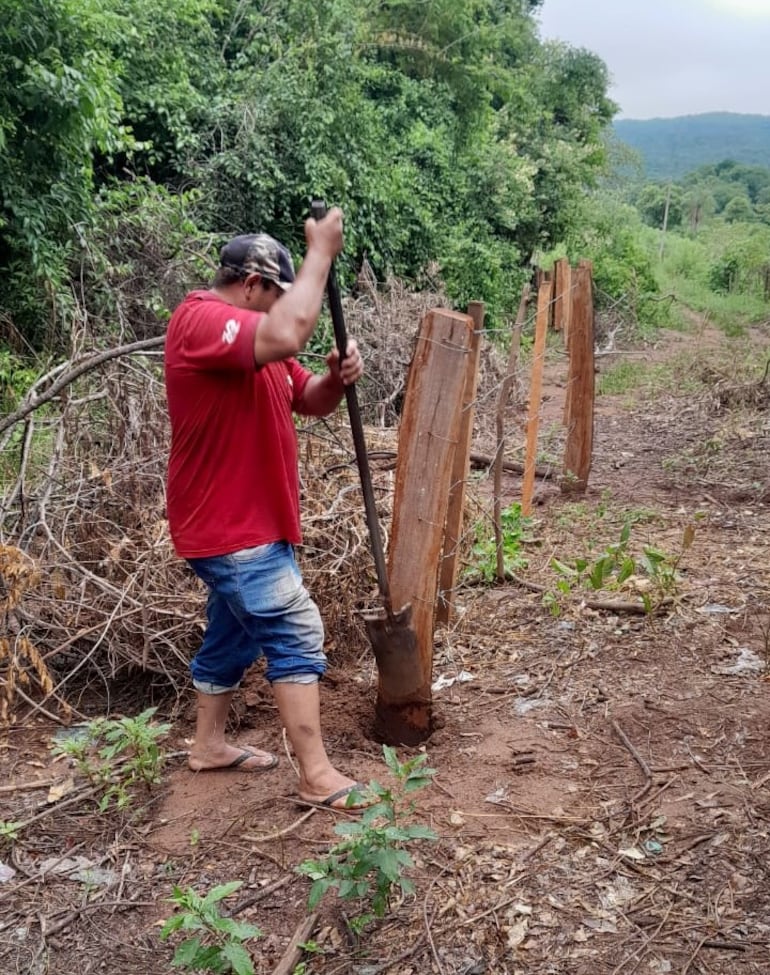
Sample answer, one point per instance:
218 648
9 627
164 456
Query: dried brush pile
729 393
98 594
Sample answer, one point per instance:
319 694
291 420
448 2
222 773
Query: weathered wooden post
450 559
428 436
580 383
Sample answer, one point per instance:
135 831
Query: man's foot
335 796
339 801
230 758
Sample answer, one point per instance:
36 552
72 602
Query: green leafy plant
656 571
370 860
662 569
10 829
15 378
516 531
611 568
117 754
219 944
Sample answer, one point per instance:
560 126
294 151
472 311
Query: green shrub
218 945
117 754
370 860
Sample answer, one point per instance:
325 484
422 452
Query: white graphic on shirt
290 381
230 333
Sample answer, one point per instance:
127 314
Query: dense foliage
134 134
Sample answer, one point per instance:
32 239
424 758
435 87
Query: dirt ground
602 793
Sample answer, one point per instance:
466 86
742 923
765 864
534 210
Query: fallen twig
611 605
293 954
73 915
729 945
397 959
513 466
637 757
278 833
29 786
255 898
693 956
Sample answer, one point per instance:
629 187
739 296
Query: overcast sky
672 57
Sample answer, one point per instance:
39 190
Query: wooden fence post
580 384
450 560
428 435
535 393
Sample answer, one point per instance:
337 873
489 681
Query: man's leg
210 750
260 604
300 709
217 670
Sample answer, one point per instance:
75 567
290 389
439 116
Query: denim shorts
257 605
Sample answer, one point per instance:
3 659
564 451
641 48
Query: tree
738 209
59 105
698 206
445 130
654 199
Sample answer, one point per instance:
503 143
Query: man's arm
322 394
291 321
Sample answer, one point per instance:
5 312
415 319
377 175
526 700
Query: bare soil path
602 797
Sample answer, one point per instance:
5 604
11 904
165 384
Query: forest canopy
136 136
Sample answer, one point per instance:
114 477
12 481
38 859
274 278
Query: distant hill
672 147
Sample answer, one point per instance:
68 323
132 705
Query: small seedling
611 568
10 829
371 859
117 754
219 945
662 569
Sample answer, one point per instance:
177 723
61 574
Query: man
233 489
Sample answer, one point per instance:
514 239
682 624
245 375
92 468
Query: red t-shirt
232 476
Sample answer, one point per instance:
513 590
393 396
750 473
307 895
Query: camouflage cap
259 254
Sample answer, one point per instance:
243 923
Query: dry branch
293 954
75 370
513 466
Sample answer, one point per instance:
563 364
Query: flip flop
236 763
328 802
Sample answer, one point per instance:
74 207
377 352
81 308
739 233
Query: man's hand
352 365
323 393
325 235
